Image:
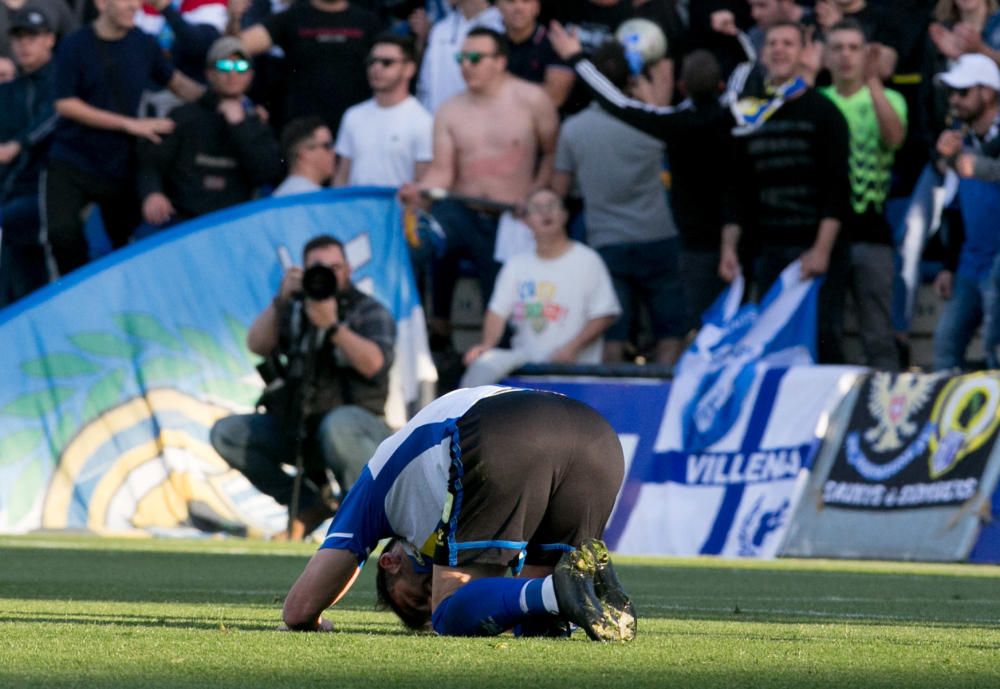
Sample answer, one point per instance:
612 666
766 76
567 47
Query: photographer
331 347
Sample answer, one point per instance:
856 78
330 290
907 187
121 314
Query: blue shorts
647 273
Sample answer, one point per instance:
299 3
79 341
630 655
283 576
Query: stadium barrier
820 461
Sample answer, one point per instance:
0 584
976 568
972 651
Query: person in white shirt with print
559 298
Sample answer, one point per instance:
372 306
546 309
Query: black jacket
206 164
27 116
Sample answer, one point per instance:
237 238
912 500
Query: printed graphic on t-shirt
537 306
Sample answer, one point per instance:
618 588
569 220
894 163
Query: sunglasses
474 57
381 61
239 66
961 93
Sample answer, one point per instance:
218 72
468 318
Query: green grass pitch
88 612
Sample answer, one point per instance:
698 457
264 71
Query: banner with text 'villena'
738 434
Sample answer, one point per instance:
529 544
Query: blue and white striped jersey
403 489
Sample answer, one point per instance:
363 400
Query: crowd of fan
791 130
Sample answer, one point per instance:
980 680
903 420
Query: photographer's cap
29 19
971 70
224 48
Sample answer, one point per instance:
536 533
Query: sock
487 607
538 595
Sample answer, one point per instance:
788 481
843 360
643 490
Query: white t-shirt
440 75
548 301
295 184
385 143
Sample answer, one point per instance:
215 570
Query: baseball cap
30 19
971 70
225 47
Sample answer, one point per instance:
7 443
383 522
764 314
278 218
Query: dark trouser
872 273
701 282
832 295
468 234
257 444
67 192
646 273
22 256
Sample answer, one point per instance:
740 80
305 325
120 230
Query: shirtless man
495 141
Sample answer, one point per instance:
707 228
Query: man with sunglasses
493 143
969 283
307 145
220 151
386 140
440 78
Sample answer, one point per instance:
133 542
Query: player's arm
328 576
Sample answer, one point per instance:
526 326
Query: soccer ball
643 37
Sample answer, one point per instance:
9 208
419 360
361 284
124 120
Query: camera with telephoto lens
319 282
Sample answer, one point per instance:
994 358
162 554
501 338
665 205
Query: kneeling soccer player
480 480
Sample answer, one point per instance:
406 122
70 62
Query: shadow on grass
155 577
214 623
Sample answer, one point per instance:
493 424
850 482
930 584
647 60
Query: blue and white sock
487 607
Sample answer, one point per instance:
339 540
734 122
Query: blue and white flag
737 341
738 433
114 376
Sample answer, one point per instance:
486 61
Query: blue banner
116 373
